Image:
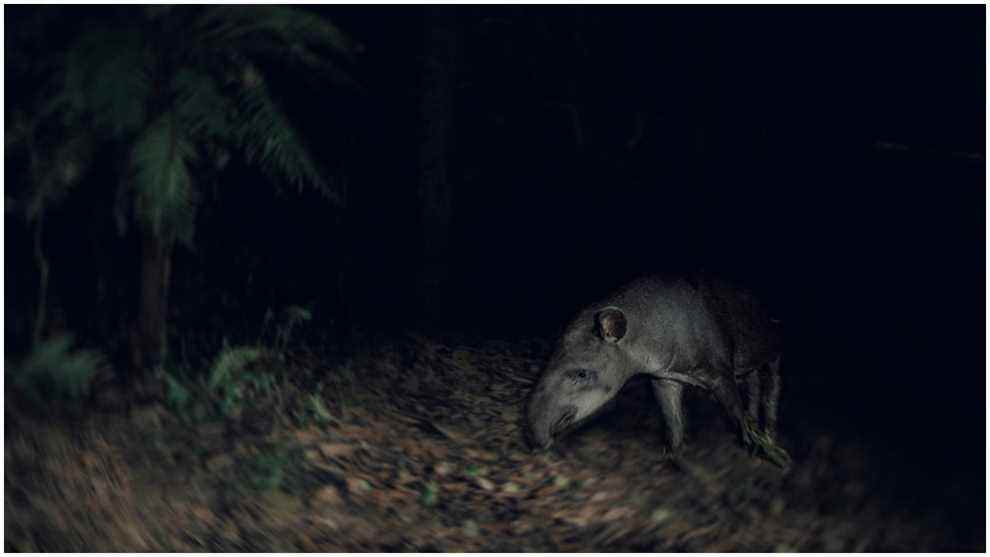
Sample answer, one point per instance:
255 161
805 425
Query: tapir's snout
540 440
538 428
547 419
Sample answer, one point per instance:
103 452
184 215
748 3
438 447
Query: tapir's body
695 331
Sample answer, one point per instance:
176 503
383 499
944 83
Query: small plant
761 441
229 363
177 396
319 410
54 372
228 380
185 398
342 382
266 471
223 391
291 317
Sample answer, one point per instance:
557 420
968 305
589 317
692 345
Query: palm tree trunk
149 342
436 111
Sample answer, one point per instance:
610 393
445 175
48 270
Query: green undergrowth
55 375
765 445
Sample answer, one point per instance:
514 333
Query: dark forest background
831 159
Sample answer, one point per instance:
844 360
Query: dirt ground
416 444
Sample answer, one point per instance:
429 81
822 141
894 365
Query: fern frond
267 138
163 187
230 362
55 368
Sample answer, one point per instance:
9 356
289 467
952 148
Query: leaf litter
439 463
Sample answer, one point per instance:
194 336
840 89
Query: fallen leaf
512 488
230 532
617 513
336 450
307 435
358 485
476 454
211 430
601 496
203 514
777 506
474 470
443 469
661 514
405 477
328 494
451 433
462 358
581 516
437 451
429 495
521 526
219 462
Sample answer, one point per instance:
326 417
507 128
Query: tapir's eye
582 375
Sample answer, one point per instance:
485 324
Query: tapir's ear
611 324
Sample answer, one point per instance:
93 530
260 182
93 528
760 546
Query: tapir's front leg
669 395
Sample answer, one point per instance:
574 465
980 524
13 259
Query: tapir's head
587 370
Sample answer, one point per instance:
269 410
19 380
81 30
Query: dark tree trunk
39 257
579 63
435 192
148 341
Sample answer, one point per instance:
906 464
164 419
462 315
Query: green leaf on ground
429 494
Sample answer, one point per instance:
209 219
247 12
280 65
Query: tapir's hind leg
727 392
669 395
771 399
753 394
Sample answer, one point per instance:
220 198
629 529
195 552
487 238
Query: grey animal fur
695 331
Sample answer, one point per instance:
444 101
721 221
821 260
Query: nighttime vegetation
324 278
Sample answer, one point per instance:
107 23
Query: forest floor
416 444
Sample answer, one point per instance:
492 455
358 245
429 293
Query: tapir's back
699 317
756 339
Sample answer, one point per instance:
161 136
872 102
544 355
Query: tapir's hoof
677 445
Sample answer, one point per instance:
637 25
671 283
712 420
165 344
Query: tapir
682 331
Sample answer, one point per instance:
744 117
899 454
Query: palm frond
199 104
289 24
309 63
267 138
282 34
106 76
163 187
56 171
